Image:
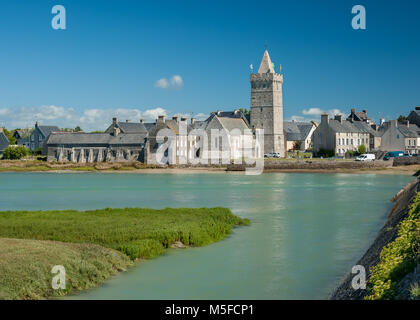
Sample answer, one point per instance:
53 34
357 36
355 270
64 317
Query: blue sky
109 59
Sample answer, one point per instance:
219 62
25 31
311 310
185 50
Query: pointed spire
266 65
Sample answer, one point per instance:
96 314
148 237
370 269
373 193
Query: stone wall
405 161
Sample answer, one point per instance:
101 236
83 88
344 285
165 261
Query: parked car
366 157
272 155
393 154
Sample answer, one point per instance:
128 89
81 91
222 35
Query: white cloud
89 119
162 83
314 114
175 82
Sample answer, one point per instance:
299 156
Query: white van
366 157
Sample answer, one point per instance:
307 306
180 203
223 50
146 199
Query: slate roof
4 142
22 133
358 116
132 127
366 128
408 132
95 138
46 130
343 126
233 123
296 130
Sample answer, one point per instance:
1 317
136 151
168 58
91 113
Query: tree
9 135
297 145
362 149
402 118
15 153
78 129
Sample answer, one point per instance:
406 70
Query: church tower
267 105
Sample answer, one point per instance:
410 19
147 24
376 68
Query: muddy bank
387 234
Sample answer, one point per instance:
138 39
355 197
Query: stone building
339 135
298 135
39 135
22 137
398 136
95 147
267 105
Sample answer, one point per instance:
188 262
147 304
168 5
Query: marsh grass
138 233
25 267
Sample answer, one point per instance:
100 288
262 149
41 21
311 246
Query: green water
307 230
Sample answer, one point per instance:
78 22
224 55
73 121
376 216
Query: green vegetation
15 153
398 258
361 149
9 135
25 267
415 291
77 240
325 153
123 229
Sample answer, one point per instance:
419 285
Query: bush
325 153
351 154
398 258
362 149
37 152
15 153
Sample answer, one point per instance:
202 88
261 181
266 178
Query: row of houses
341 135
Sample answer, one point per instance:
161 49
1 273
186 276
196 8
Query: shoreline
406 170
373 256
270 166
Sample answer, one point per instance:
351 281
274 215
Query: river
306 231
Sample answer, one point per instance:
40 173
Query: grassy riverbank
398 258
25 267
134 233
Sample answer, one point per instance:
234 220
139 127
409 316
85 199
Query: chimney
338 117
161 119
353 110
364 111
393 123
183 119
114 121
141 120
381 121
408 124
324 118
127 121
1 130
36 124
192 120
175 118
116 131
